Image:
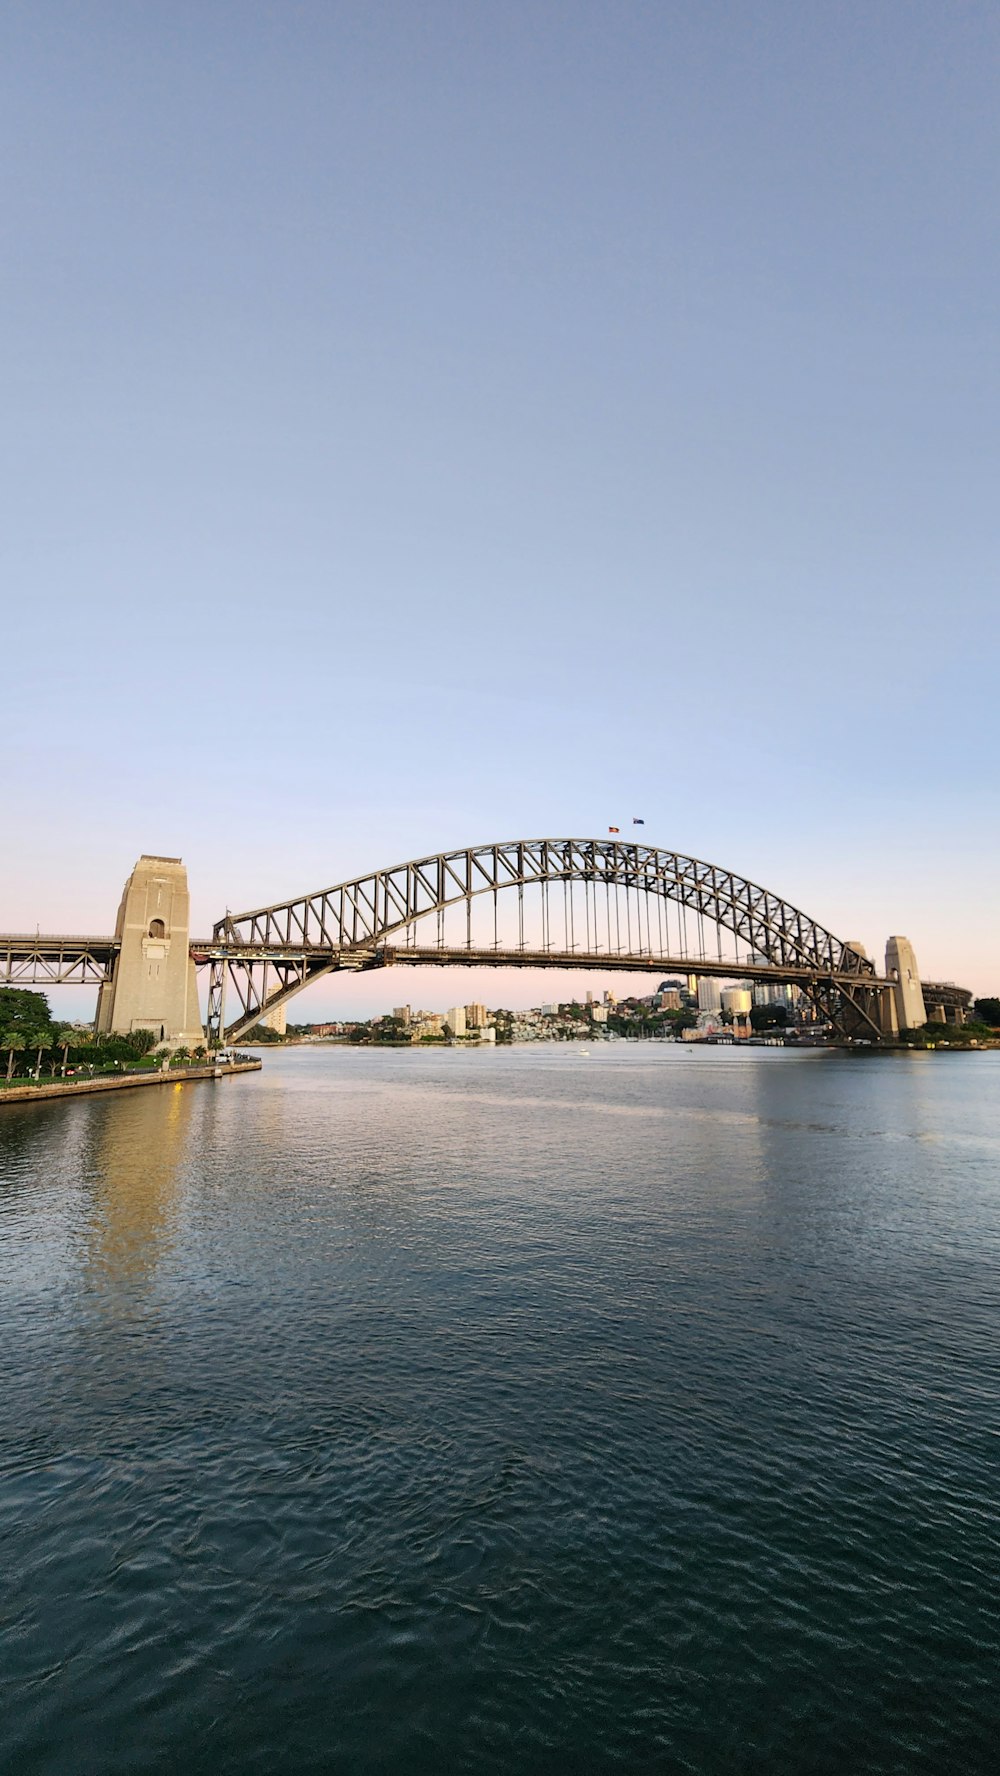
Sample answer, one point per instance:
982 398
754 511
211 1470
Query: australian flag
636 821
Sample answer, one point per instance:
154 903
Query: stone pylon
901 968
153 986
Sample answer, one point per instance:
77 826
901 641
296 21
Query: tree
21 1010
13 1042
39 1041
768 1017
989 1011
62 1036
28 1015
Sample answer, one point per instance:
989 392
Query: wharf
65 1088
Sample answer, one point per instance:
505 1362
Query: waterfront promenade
77 1088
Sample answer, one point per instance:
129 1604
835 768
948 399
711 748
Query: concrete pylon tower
153 986
901 968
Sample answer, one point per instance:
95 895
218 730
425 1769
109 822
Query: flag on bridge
637 822
614 829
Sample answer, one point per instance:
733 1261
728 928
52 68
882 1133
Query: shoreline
980 1045
64 1088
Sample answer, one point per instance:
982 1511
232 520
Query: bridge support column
154 985
887 1012
901 967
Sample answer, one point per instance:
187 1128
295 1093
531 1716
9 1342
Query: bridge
530 903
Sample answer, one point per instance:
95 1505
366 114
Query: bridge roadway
32 958
360 958
46 959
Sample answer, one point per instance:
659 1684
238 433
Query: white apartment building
737 1000
709 994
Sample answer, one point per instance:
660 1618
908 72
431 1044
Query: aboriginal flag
614 829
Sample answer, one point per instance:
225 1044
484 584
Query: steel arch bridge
567 903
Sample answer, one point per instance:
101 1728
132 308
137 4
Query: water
516 1411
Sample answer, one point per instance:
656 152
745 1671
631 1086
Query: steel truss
266 956
56 961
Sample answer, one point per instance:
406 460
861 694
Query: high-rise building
737 1000
771 992
455 1020
776 993
402 1014
475 1017
709 994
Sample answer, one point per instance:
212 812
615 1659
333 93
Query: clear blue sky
431 424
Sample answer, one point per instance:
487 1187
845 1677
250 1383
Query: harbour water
526 1410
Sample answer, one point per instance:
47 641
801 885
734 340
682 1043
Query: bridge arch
269 954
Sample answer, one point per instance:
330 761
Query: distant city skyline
425 426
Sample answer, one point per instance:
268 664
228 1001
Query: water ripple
405 1413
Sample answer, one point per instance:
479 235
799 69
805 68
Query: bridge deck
34 959
47 958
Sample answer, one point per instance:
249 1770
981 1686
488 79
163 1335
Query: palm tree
38 1039
65 1035
13 1042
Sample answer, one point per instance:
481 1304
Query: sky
431 425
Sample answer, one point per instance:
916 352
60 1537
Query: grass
82 1073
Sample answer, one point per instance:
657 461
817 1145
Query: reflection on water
137 1158
517 1411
